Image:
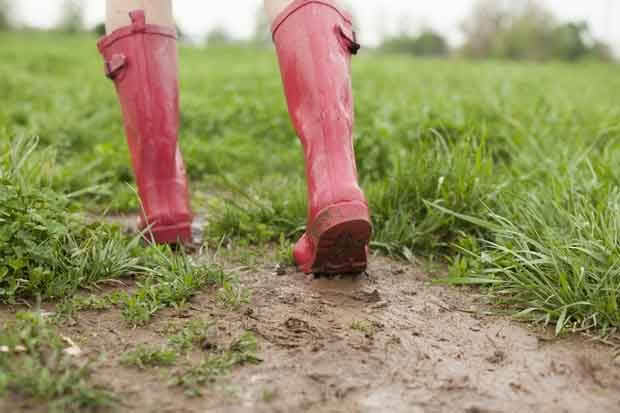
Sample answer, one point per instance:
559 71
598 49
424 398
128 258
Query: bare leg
275 7
157 12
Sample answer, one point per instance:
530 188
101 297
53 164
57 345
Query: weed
44 248
284 254
143 357
194 334
170 280
69 306
233 295
269 396
240 352
366 327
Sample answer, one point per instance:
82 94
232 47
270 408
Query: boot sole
341 234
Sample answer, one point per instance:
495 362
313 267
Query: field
493 286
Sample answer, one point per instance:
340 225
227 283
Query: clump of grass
284 253
169 280
46 249
556 259
144 357
269 395
33 365
233 295
260 214
194 334
165 279
240 352
459 175
70 305
366 327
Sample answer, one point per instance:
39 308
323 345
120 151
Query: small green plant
194 334
233 295
240 352
69 306
284 254
144 357
269 395
170 280
364 326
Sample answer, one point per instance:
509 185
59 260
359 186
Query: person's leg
140 54
275 7
314 40
157 12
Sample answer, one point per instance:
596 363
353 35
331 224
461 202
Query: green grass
506 170
365 327
195 338
143 357
195 334
48 250
34 366
170 280
193 378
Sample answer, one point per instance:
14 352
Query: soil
387 341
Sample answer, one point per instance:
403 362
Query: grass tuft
170 280
34 366
144 357
46 249
240 352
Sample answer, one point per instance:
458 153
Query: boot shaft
141 60
315 41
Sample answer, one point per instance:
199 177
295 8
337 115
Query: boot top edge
138 26
298 4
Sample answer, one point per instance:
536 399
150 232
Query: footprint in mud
355 288
293 333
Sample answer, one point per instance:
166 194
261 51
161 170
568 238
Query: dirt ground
388 341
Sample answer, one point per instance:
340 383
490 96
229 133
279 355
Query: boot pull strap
113 66
350 39
138 20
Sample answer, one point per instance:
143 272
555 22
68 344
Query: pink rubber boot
315 41
141 59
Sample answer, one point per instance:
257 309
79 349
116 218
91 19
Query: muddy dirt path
390 342
386 342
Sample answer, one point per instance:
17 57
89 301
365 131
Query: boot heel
341 234
170 234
